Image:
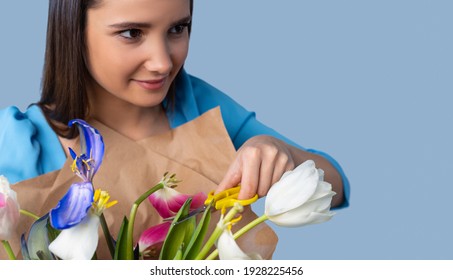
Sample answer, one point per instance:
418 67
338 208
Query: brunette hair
65 73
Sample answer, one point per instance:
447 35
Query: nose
158 58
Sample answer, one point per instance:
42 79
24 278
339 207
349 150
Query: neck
132 121
138 124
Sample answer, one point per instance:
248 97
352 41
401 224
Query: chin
149 101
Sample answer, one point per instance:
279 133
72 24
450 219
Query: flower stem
218 231
212 239
29 214
249 226
8 249
130 225
240 232
107 235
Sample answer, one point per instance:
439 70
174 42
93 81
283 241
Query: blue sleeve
242 124
19 149
28 145
252 127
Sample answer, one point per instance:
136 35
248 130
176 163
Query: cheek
108 65
179 53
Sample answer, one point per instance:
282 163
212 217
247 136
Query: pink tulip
168 201
152 239
9 210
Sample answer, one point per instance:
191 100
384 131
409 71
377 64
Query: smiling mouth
151 84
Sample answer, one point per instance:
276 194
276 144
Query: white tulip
229 249
78 242
300 197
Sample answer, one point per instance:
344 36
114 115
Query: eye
179 28
131 34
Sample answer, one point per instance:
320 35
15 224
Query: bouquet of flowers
70 229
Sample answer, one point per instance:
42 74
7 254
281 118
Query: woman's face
135 48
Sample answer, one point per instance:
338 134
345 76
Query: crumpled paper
198 152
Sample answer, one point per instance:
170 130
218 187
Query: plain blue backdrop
369 82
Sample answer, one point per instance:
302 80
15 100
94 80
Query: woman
121 63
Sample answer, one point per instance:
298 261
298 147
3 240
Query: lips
151 84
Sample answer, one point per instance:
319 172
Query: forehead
141 10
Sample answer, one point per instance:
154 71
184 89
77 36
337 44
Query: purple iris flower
76 203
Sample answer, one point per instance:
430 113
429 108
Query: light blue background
369 82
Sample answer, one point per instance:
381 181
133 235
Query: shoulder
17 144
197 96
206 96
240 123
14 122
205 93
25 138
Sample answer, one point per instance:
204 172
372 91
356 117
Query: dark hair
65 73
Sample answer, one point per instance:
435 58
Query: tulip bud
301 197
9 209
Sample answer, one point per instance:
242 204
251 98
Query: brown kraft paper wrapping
198 152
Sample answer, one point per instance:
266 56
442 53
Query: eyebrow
131 25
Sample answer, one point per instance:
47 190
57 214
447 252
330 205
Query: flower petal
91 142
229 249
289 219
73 207
198 200
9 209
179 199
2 200
312 212
167 201
79 242
293 190
159 201
9 218
322 189
176 200
152 239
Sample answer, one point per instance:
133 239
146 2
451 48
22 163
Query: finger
282 164
266 171
232 177
250 176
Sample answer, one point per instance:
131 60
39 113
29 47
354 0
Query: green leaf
190 225
121 249
52 233
41 234
178 255
194 246
24 248
177 233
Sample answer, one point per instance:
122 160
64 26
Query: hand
259 163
